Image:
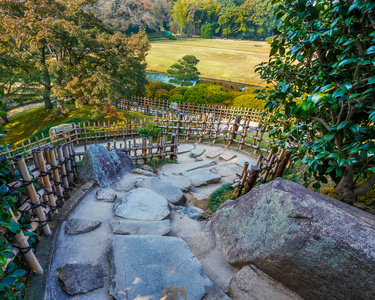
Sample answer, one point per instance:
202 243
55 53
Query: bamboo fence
266 168
151 106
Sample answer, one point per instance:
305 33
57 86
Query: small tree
184 71
322 69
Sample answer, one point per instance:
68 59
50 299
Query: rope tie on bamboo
23 250
27 183
42 223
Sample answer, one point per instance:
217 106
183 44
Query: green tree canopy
322 69
184 72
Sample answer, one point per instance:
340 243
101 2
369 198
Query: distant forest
238 19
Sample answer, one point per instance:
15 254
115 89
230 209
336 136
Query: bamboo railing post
26 250
46 182
63 170
251 179
114 144
243 179
173 147
37 166
31 192
73 159
109 146
68 163
144 149
56 175
236 124
284 162
270 161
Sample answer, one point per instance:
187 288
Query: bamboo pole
31 192
37 166
68 163
56 175
46 181
251 179
63 170
282 166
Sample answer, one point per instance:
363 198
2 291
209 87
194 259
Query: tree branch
324 123
365 187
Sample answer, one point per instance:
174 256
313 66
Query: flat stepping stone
81 278
191 213
184 149
212 153
201 243
197 152
251 162
227 170
169 191
131 227
127 182
182 182
202 177
142 204
155 267
227 155
106 194
78 226
198 196
252 283
143 172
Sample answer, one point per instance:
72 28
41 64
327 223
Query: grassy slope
26 124
223 59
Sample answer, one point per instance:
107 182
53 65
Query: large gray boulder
167 190
155 267
103 166
315 245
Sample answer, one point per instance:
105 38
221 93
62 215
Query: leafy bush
159 89
149 130
180 90
206 94
177 98
12 282
220 195
227 86
207 31
269 40
249 100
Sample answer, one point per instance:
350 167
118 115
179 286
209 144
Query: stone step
155 267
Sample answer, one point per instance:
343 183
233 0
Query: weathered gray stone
131 227
147 168
127 182
201 243
142 204
155 267
199 159
103 166
227 155
184 148
81 278
167 190
77 226
315 245
197 152
217 295
198 197
182 182
251 283
213 153
143 172
202 177
106 194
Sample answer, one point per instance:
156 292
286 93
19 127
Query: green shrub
206 94
177 98
159 89
149 130
221 195
180 90
249 100
207 31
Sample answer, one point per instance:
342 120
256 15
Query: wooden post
236 124
144 149
56 175
109 146
173 150
31 192
36 162
68 163
243 179
63 170
284 162
114 144
46 182
73 158
251 179
24 247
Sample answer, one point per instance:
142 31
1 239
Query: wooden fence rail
271 167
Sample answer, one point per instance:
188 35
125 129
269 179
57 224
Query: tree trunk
4 120
345 188
47 97
47 82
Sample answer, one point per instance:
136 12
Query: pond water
161 77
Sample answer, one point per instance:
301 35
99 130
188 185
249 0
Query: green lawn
36 121
223 59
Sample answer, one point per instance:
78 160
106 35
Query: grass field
223 59
33 122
